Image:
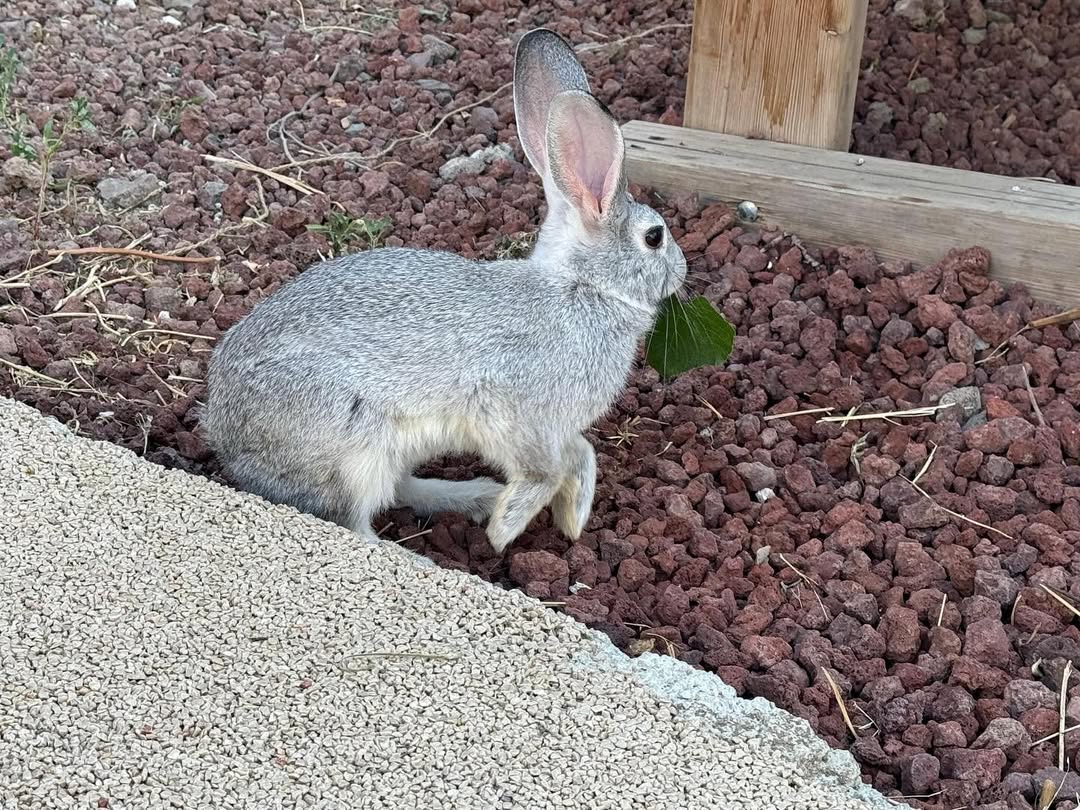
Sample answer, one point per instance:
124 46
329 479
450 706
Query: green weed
343 232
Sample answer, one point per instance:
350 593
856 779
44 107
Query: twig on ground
858 447
141 254
309 29
414 536
1068 316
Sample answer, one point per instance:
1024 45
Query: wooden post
781 70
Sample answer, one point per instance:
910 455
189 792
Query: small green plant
688 335
167 112
9 66
343 232
53 138
514 247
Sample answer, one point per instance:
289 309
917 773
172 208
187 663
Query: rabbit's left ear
585 150
544 66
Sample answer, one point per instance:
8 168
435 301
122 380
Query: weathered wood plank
905 211
785 70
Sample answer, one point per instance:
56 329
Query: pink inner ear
588 153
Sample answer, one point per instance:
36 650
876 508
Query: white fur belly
423 438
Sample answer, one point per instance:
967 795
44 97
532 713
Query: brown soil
768 550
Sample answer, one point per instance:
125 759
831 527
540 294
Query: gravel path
169 642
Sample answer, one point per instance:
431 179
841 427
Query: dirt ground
786 553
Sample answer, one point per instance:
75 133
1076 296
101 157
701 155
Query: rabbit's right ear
544 66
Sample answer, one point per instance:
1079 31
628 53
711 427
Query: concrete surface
168 642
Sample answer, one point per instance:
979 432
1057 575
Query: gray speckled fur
333 390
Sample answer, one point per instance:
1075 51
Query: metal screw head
747 211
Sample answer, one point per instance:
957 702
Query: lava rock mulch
751 519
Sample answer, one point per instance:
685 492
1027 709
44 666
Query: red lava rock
987 641
900 626
1022 696
854 534
935 313
919 775
1005 734
537 566
633 574
983 767
766 651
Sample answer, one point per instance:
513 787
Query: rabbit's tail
426 496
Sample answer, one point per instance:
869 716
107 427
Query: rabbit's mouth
674 278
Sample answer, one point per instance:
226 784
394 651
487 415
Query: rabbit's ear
544 66
585 149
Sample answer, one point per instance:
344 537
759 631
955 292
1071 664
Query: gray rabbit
332 391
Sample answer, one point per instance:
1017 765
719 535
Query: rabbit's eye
654 236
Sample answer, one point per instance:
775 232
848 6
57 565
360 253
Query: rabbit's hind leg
371 476
426 496
572 504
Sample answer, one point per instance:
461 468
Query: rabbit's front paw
573 502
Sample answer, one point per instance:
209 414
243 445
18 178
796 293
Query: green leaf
688 335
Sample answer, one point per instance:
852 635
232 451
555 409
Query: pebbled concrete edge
695 692
698 692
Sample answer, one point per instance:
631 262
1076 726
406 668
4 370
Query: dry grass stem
1066 603
941 613
800 574
1055 735
142 254
596 46
840 703
1031 396
1016 604
242 165
926 464
798 413
858 447
140 332
956 515
711 407
414 535
1002 347
851 416
1061 714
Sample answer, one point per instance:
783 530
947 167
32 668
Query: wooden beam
901 210
784 70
